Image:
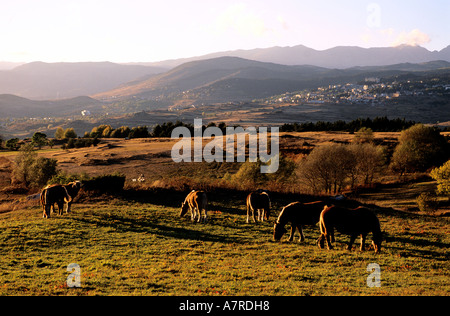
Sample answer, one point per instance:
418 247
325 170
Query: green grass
139 246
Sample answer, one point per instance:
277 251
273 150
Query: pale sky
149 30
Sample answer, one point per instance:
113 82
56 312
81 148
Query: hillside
225 79
135 243
14 106
198 74
43 81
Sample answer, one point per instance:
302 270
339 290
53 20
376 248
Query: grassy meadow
136 244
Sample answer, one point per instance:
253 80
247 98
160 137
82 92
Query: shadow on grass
159 227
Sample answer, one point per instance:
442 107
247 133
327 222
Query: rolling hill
226 79
15 106
44 81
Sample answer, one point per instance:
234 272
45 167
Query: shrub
442 176
427 202
364 135
31 170
330 168
70 133
420 147
110 183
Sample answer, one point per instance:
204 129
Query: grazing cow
72 188
258 201
353 222
195 201
51 195
298 214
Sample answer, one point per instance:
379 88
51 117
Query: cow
72 188
54 194
195 201
299 215
258 201
353 222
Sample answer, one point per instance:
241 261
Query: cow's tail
323 229
67 197
44 197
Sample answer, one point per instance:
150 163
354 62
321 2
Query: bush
64 178
70 133
442 176
31 170
330 168
427 203
110 183
420 147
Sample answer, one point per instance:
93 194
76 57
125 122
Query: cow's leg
47 211
192 214
60 208
300 229
352 240
291 236
205 218
68 207
328 235
363 242
254 215
321 241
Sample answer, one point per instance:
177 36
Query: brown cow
195 201
298 214
353 222
258 201
72 188
54 194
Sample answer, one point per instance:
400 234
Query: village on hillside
372 90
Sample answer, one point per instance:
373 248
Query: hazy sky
149 30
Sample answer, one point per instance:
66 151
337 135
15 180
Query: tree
139 132
364 135
59 134
70 133
420 147
120 132
327 168
442 176
332 167
31 170
43 169
39 139
369 159
250 174
22 164
12 144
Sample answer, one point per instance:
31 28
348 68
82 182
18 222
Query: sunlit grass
133 247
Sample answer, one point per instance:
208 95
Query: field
134 243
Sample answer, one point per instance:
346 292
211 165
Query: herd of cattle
353 222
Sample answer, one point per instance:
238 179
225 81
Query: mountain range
340 57
221 77
48 81
225 79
